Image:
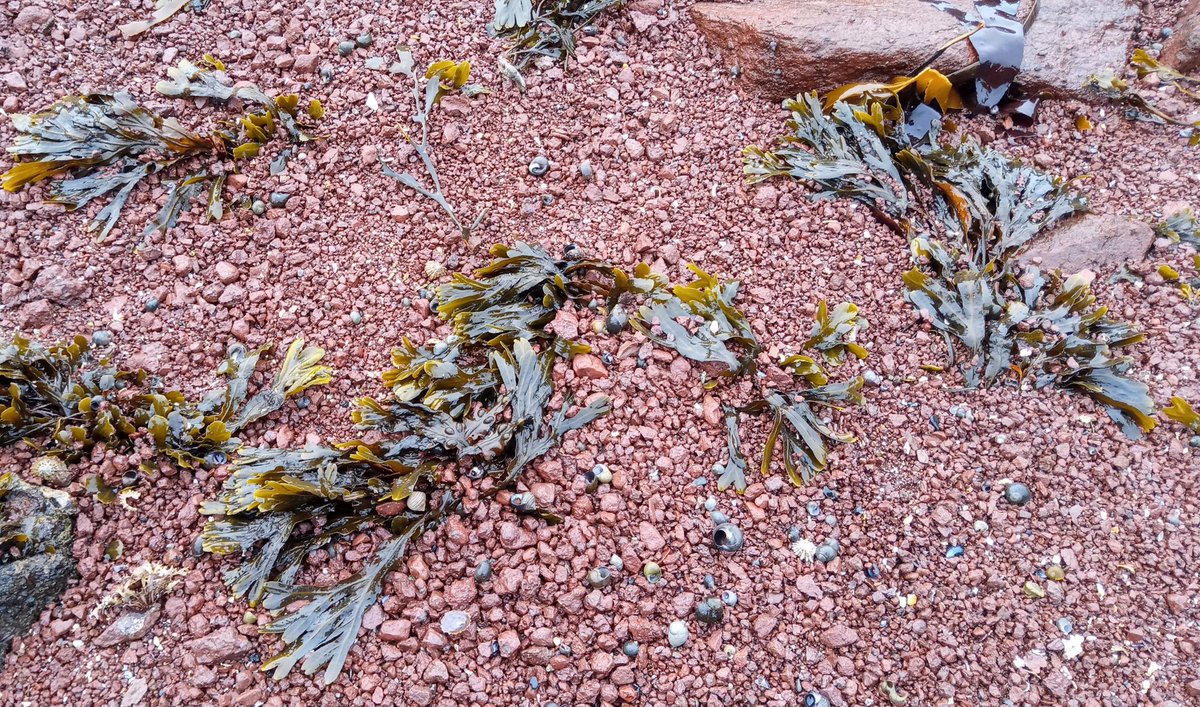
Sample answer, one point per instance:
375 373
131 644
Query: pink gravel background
663 123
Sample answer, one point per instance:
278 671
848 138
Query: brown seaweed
99 146
441 79
1000 45
967 210
542 28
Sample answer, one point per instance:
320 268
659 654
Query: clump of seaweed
1137 107
62 402
796 429
966 211
143 589
1181 227
542 28
100 146
441 79
481 400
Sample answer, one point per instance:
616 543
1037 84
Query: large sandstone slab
792 46
1090 242
1182 49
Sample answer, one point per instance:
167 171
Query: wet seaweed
100 147
967 211
804 438
833 333
1000 44
797 436
1107 84
63 401
441 79
1180 227
537 29
271 504
481 399
1182 412
700 321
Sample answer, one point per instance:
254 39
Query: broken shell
727 537
652 572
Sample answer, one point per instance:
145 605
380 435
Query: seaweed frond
441 78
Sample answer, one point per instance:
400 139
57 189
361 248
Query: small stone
677 633
589 367
279 199
955 551
586 171
363 40
129 626
224 644
454 622
101 338
345 48
483 573
1017 494
630 649
539 166
718 517
710 504
375 63
839 636
727 537
356 316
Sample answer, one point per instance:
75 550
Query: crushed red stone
662 125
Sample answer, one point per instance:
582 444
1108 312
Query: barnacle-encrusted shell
51 470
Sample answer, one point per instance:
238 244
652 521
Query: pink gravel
663 124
